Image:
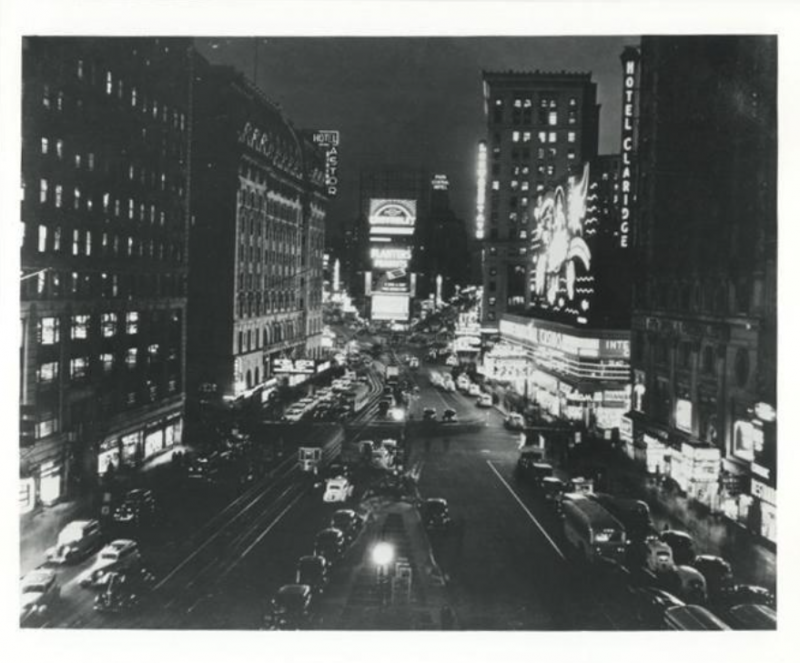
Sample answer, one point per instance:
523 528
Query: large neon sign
629 94
330 140
480 206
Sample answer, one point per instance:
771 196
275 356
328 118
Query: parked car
312 570
338 489
682 545
329 543
474 390
740 594
752 617
651 603
138 507
40 591
484 400
692 618
123 590
429 414
290 608
553 490
686 582
436 514
449 416
78 539
348 521
119 555
716 571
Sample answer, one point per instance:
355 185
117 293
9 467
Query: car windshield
111 555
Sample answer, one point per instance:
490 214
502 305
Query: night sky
411 101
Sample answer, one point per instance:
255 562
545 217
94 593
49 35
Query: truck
392 373
313 458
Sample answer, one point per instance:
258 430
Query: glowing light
629 93
383 553
480 206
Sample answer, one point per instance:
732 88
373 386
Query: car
752 617
337 489
716 571
121 554
514 421
138 506
312 570
329 543
451 360
413 362
449 416
534 472
682 545
553 489
77 540
383 407
204 469
293 414
290 608
747 594
429 414
123 590
349 522
436 514
484 400
40 591
474 390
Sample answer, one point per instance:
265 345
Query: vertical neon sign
480 207
630 91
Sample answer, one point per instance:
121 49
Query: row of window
48 372
49 328
253 304
83 285
251 340
525 117
111 245
76 199
545 101
261 202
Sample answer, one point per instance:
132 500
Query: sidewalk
39 530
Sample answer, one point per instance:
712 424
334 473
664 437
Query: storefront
108 456
136 446
695 468
27 495
764 516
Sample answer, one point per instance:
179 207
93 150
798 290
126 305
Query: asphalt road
506 563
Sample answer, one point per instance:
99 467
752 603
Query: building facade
539 125
105 153
257 238
704 349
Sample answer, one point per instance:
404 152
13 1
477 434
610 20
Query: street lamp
382 557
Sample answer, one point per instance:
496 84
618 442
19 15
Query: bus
592 531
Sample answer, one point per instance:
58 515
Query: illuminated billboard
392 217
480 205
578 270
389 307
390 257
329 139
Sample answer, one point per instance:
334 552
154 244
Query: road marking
524 508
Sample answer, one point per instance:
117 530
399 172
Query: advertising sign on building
392 217
330 141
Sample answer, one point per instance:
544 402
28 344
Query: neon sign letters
480 206
330 139
629 92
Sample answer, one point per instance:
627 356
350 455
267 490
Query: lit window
109 83
60 148
570 154
80 327
130 208
42 191
515 136
76 241
130 357
514 185
130 172
525 185
48 331
77 198
106 200
90 160
78 368
120 89
77 161
80 69
88 242
572 118
109 324
133 96
60 101
552 118
552 152
42 239
570 136
132 322
152 350
117 204
551 169
107 360
573 101
495 185
47 372
45 145
46 96
59 191
542 136
540 188
551 137
526 137
57 239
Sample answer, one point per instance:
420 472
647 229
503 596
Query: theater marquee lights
480 207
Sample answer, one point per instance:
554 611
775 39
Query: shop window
48 331
47 373
78 368
80 327
131 322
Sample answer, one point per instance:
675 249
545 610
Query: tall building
105 153
539 125
704 351
392 206
257 238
